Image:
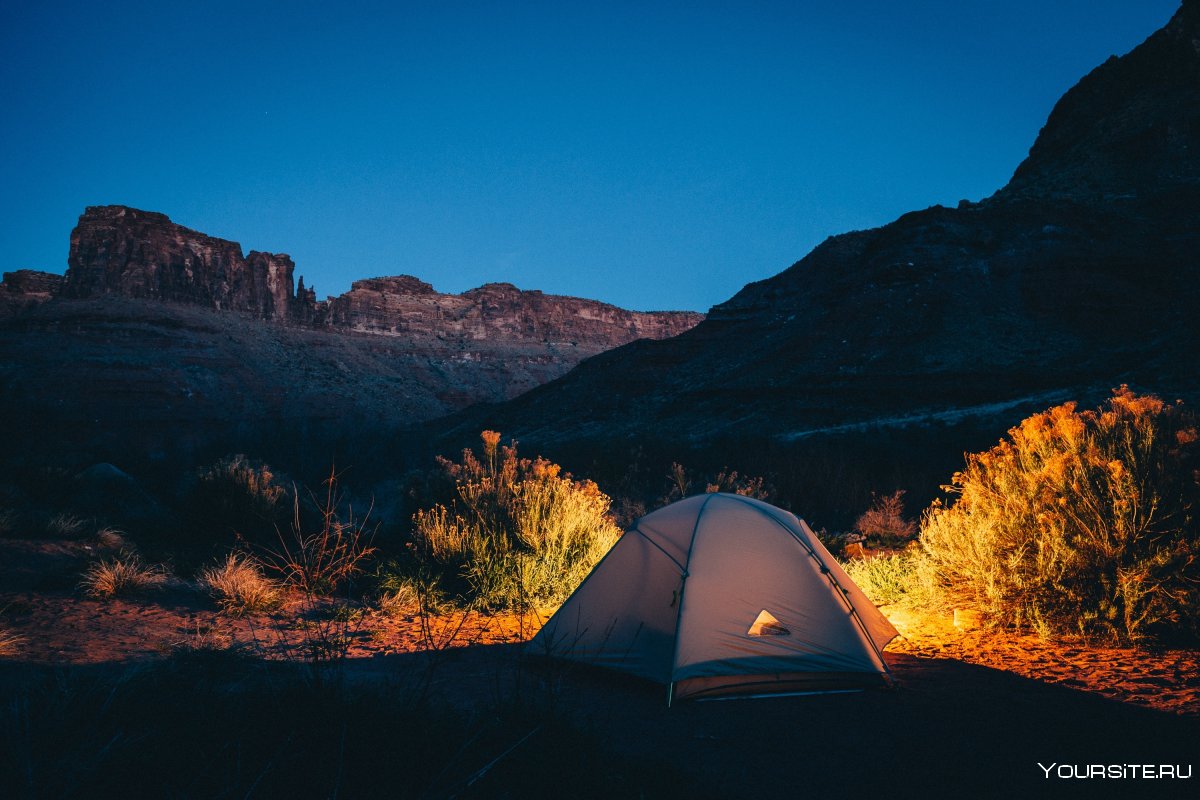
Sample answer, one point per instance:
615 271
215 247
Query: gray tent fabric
718 594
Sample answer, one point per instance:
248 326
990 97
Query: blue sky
652 155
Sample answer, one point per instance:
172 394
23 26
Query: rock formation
26 288
142 254
406 306
119 250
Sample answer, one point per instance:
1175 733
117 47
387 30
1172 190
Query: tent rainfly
722 594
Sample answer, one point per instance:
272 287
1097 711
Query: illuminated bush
1078 521
888 578
517 533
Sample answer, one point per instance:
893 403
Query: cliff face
26 288
1081 274
496 312
1128 129
142 254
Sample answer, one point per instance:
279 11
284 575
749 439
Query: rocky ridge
1082 273
116 250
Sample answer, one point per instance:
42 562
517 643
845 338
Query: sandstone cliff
26 288
142 254
406 306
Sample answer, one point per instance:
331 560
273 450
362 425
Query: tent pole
670 693
887 672
683 585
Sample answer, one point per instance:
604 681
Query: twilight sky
649 154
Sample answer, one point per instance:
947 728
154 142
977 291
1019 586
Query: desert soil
971 708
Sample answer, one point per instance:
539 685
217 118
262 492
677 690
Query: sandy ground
60 626
64 628
973 710
1168 680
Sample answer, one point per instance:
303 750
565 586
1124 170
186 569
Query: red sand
60 626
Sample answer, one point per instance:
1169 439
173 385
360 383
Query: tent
722 594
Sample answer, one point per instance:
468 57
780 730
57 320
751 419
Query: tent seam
683 591
656 545
828 576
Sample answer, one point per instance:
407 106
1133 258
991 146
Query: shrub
884 521
518 532
682 482
888 579
120 576
240 496
1078 521
322 559
239 586
8 522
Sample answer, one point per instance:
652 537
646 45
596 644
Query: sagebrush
1079 521
518 532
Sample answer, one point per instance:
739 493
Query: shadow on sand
947 728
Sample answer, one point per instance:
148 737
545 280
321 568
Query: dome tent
722 594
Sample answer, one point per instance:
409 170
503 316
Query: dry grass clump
121 576
239 586
1079 521
10 643
111 539
518 532
403 601
66 526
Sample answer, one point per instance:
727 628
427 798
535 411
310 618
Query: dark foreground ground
482 722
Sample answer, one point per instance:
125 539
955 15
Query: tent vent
766 625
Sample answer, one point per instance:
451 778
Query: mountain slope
1080 274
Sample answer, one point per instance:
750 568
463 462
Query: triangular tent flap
765 624
720 593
